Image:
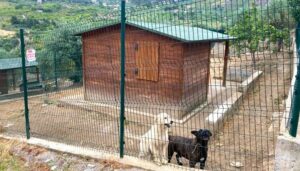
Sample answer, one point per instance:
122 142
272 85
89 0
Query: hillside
43 15
37 17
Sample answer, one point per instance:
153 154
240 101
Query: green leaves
62 54
249 30
295 9
255 26
9 48
4 54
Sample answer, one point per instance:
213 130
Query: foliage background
268 20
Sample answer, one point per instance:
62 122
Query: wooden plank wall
3 82
147 60
196 72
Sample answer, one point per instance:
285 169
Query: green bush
5 54
61 55
9 44
295 9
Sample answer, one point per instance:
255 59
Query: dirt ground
6 33
17 156
249 135
246 141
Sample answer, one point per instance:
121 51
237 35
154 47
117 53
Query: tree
249 31
9 44
4 54
295 9
14 20
63 52
278 17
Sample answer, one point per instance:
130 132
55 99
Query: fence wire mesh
225 67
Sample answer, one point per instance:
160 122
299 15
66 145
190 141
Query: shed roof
177 32
14 63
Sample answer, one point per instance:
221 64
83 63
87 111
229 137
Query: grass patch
7 161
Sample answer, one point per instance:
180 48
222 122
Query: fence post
55 71
122 84
24 83
295 108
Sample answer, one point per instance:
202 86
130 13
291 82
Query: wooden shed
167 67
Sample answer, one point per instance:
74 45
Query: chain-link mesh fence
220 66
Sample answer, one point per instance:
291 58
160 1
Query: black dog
195 150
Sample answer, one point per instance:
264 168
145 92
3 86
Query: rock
53 167
95 166
107 169
236 164
91 166
26 164
72 159
8 125
48 160
46 157
77 166
130 169
60 163
101 167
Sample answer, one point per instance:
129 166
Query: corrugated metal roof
178 32
181 32
14 63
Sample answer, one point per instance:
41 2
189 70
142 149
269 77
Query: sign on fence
30 55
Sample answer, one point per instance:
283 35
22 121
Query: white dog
155 141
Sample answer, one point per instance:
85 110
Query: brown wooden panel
196 69
147 60
102 68
3 82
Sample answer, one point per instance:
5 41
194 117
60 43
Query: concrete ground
287 156
287 153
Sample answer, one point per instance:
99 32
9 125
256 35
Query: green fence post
25 83
55 71
295 108
122 84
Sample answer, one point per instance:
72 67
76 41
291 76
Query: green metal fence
295 108
226 67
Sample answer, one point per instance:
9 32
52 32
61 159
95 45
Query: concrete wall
287 152
287 156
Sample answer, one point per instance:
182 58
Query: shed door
147 54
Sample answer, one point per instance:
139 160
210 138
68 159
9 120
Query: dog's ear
194 132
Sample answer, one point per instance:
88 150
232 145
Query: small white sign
30 55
